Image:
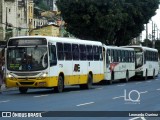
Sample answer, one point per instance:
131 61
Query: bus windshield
27 58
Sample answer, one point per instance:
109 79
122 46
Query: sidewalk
4 89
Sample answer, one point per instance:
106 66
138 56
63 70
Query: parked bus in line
119 63
146 61
52 62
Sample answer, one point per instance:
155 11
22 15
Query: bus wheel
154 74
146 76
88 85
127 76
112 78
59 88
23 90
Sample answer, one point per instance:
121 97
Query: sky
156 20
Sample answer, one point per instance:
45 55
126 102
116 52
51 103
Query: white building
55 6
14 19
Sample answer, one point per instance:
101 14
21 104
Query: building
51 4
46 30
30 14
13 18
33 21
1 28
17 18
54 5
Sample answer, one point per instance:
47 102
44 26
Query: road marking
143 118
41 96
149 81
143 92
117 97
121 85
99 88
74 92
158 89
138 82
135 118
85 104
157 79
4 101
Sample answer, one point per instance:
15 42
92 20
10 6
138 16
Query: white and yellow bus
146 61
119 63
52 62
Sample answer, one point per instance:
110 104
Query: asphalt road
104 102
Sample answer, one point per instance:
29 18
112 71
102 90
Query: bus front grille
26 83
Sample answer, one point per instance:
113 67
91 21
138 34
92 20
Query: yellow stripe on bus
51 81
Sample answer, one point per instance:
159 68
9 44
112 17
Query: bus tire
112 78
127 76
88 85
23 90
146 75
59 88
154 76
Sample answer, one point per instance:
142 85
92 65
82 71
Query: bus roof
117 48
62 39
142 47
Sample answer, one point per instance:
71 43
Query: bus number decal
76 68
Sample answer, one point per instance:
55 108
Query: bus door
104 61
108 61
52 61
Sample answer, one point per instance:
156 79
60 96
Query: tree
157 45
109 21
147 43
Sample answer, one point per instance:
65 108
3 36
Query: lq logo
132 96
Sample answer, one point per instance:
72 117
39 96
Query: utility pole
6 20
153 35
157 33
147 34
6 24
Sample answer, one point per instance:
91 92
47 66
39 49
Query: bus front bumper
32 83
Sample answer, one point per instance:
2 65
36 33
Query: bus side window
100 53
96 53
112 55
67 51
75 51
89 52
60 51
108 57
52 55
82 49
123 56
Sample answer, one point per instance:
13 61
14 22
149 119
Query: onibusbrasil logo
132 96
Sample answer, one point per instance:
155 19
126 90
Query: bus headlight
10 76
43 75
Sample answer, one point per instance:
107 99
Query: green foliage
157 45
109 21
147 43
